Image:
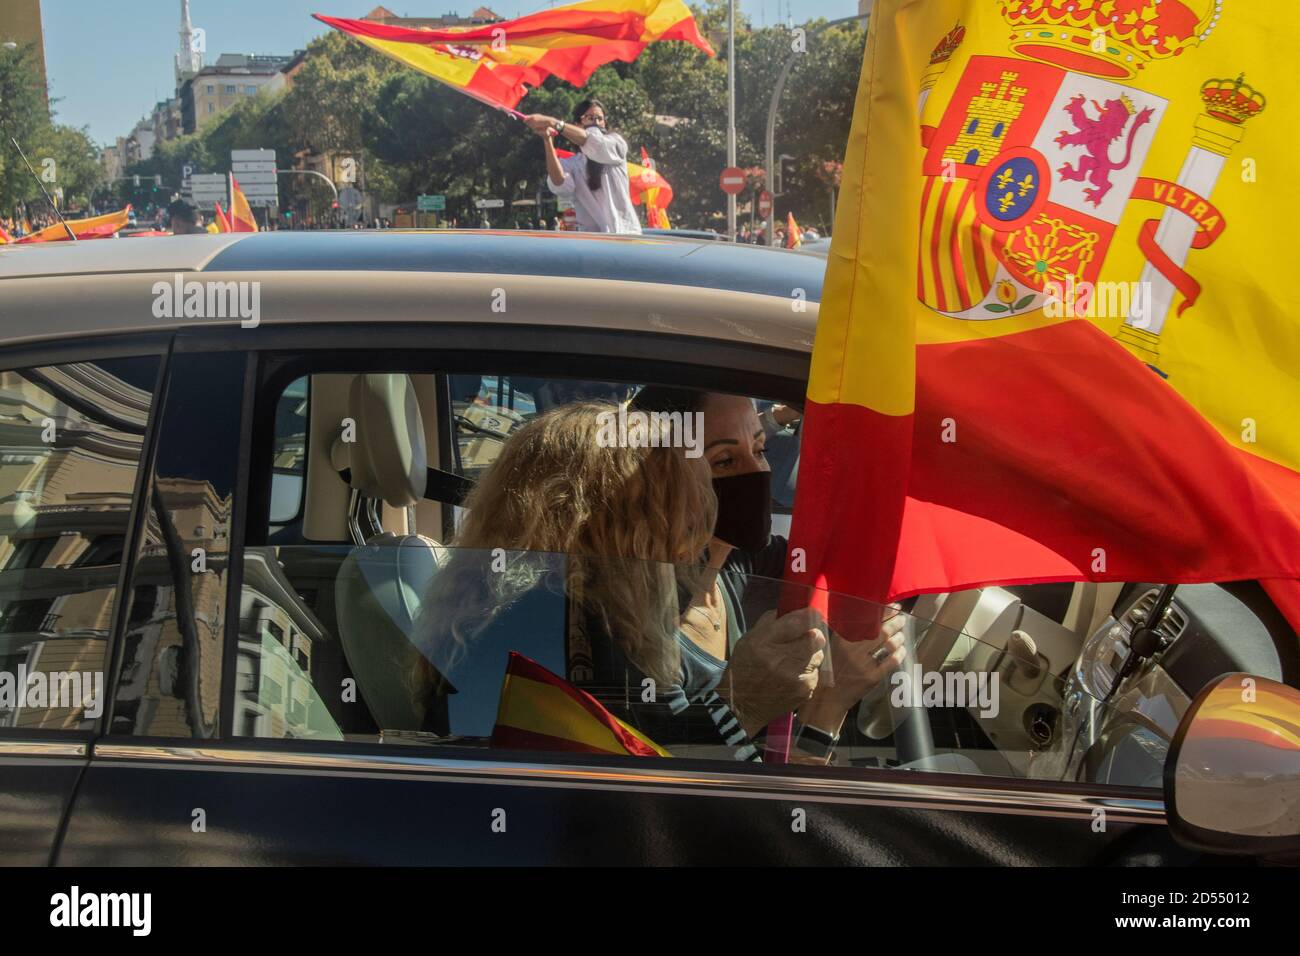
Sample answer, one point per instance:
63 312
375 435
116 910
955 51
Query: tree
23 115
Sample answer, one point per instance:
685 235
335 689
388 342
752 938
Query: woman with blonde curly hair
618 530
624 517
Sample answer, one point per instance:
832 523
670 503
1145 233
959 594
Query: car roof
672 261
694 287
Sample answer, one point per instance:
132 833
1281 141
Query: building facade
20 22
234 78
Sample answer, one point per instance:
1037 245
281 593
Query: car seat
382 583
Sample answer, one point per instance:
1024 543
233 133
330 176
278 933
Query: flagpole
731 113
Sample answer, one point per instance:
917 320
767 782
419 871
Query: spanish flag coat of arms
1059 337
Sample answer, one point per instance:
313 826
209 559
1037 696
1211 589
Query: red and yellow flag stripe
540 711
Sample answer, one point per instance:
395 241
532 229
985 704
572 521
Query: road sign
255 170
489 203
433 204
733 180
207 188
765 204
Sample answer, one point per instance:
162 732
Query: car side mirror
1232 777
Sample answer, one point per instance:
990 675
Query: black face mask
744 510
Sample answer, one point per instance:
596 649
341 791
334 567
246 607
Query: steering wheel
930 648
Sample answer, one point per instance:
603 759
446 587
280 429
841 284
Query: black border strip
235 554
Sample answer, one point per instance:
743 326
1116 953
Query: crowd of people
757 235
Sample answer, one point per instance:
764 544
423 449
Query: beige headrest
387 456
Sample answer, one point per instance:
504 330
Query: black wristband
816 742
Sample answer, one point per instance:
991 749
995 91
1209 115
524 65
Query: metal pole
731 112
311 172
771 118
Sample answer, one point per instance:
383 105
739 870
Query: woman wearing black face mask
596 177
759 666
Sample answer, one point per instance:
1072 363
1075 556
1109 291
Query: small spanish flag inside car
540 711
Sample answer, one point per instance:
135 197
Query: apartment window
230 88
211 89
251 90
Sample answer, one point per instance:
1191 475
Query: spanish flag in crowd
97 227
4 236
793 234
540 711
498 62
220 219
241 214
1059 338
649 187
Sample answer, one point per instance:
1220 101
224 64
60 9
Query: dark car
218 588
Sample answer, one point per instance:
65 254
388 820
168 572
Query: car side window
404 636
71 442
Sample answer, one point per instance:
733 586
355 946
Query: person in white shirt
595 177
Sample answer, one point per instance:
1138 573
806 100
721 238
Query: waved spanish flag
4 236
241 214
497 62
649 187
540 711
1058 339
98 227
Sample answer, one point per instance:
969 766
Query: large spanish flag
498 62
1058 339
97 227
540 711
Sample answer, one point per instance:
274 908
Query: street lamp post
731 112
776 101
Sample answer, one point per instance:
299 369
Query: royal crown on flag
1109 38
1233 101
948 45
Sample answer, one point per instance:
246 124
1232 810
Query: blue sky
109 61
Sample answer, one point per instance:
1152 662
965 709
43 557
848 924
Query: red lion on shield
1096 135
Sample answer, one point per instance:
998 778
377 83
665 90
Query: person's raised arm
554 170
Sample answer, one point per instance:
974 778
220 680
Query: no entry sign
733 180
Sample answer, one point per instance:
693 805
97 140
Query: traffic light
135 181
157 182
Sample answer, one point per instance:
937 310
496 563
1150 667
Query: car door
74 427
229 741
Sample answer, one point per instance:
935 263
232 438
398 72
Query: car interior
358 479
